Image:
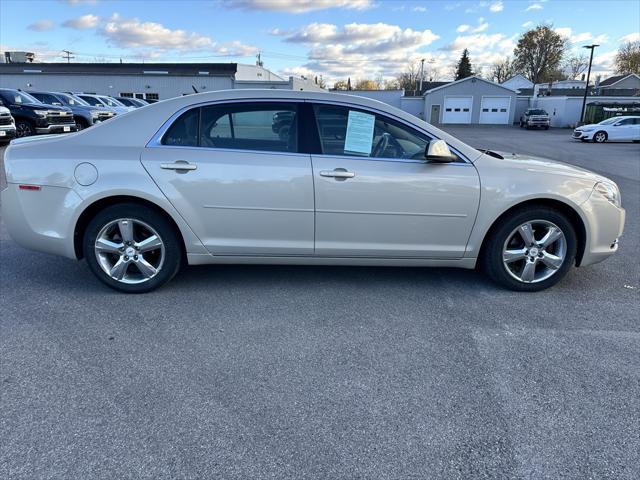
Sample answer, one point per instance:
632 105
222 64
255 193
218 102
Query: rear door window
270 127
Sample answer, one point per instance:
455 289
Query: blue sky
333 38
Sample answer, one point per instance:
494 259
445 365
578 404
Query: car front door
234 173
377 196
623 130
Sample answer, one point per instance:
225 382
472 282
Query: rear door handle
179 165
339 173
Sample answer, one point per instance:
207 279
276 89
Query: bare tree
366 84
409 78
539 53
340 85
502 71
575 65
628 58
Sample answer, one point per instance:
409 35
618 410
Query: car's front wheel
531 250
24 128
600 137
132 248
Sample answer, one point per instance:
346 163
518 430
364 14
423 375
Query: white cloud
527 24
534 6
496 6
463 28
482 26
358 49
632 37
420 9
574 38
82 2
82 23
152 38
298 6
41 26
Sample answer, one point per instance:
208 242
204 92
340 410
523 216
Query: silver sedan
282 177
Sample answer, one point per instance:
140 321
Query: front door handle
338 173
179 165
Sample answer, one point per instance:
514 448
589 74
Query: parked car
34 117
84 114
131 102
535 118
104 101
7 125
620 129
203 179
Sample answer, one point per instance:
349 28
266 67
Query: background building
152 81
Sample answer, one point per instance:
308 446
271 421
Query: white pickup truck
7 126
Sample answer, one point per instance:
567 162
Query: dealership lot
297 372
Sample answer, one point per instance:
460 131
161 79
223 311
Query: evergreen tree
464 66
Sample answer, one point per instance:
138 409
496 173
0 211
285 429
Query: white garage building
471 100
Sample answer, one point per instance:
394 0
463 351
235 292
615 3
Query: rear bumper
40 219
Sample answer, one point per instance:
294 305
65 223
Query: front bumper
538 123
581 135
57 128
7 132
605 225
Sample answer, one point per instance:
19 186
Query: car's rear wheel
531 250
132 248
600 137
24 128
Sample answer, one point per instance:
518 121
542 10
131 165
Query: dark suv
34 117
84 115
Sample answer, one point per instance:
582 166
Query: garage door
495 110
457 110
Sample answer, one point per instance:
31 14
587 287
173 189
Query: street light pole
421 74
586 88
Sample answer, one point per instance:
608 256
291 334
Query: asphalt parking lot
328 372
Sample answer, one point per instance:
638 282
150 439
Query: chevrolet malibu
206 179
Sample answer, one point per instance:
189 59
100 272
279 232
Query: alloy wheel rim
600 137
129 251
534 251
23 130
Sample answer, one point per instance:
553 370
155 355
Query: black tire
546 128
491 260
24 128
600 137
81 123
166 231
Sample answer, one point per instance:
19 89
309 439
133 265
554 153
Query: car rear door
378 200
238 181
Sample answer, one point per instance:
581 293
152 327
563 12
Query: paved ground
282 372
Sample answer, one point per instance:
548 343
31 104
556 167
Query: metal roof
152 69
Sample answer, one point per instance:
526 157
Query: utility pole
586 88
421 74
67 55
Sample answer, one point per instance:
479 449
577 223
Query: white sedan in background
614 129
217 178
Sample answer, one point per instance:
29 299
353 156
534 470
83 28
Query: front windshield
609 121
537 112
21 97
112 102
71 100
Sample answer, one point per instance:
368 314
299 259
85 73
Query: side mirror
438 151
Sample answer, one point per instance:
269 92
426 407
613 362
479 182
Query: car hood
534 164
590 126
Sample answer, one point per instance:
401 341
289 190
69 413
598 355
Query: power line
67 55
